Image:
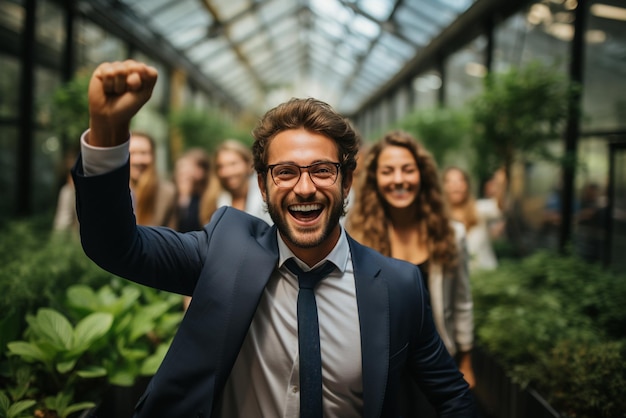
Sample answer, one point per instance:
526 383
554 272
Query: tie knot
308 279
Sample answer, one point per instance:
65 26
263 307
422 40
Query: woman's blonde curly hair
368 220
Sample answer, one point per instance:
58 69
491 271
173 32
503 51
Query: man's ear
262 186
346 184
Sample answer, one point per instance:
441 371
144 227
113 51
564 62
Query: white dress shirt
264 381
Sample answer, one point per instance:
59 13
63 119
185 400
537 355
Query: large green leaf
91 328
18 407
29 352
122 378
55 327
77 407
4 402
66 366
82 296
92 372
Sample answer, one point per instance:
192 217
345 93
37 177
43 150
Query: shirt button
294 389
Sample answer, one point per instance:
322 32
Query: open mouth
400 192
306 212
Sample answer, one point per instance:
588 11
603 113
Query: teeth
305 208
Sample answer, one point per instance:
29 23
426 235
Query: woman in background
154 199
238 185
400 211
191 177
476 215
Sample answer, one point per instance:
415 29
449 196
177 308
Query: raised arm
117 91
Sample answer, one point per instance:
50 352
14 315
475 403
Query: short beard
335 215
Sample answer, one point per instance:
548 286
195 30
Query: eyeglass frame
271 167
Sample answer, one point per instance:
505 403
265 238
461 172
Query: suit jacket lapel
373 306
257 262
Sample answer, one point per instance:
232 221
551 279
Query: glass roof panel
227 9
174 15
148 7
365 27
242 28
206 49
332 10
271 11
247 47
396 46
379 9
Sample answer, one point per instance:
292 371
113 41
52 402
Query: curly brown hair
368 220
314 116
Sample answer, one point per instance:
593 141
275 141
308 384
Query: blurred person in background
191 178
154 199
239 186
476 214
65 219
400 211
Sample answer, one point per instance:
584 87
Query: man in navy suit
236 351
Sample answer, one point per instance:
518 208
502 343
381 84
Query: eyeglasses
322 174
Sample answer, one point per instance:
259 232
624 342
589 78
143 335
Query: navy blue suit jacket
225 268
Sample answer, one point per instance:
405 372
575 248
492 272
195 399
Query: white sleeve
100 160
488 209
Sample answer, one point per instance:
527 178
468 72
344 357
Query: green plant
517 113
55 347
144 320
556 323
69 109
441 130
122 331
585 378
62 405
205 128
37 267
17 409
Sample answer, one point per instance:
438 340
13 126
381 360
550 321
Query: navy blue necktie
309 338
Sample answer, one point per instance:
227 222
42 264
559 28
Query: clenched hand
117 91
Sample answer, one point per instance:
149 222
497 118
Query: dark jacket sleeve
154 256
429 364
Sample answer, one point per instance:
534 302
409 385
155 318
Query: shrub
68 328
556 323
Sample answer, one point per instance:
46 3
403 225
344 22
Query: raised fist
117 91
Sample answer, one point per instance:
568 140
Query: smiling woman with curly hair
400 211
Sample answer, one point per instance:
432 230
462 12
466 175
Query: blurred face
397 177
307 216
232 171
185 175
455 187
141 156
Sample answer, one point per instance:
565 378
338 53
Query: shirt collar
338 256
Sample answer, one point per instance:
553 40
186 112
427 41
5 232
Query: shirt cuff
101 160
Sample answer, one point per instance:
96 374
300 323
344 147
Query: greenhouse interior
524 98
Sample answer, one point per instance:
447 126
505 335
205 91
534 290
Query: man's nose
305 186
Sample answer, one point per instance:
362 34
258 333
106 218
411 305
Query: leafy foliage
557 323
517 113
441 130
69 110
17 409
206 128
70 329
37 267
